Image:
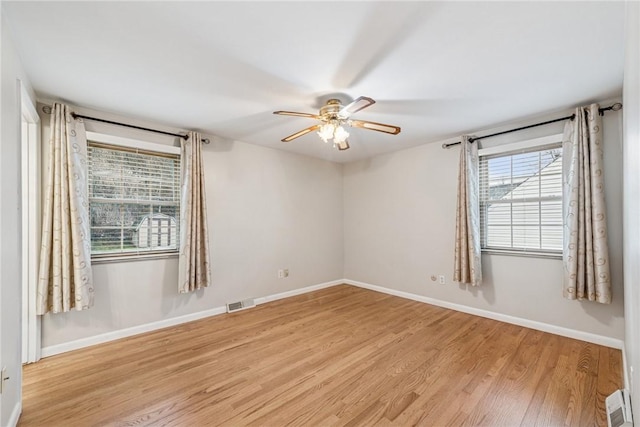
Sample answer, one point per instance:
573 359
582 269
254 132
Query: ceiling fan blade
380 127
296 114
358 104
344 145
300 133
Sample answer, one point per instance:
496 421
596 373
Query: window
134 198
521 197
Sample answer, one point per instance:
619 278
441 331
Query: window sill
107 259
528 254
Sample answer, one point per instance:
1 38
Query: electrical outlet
282 273
441 279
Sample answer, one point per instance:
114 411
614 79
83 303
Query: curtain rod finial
451 144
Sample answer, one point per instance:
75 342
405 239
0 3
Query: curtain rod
47 110
615 107
95 119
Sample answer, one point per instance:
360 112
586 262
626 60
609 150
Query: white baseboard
127 332
299 291
148 327
15 415
533 324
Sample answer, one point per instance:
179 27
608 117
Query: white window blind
521 200
134 200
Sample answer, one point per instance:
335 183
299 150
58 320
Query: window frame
135 145
527 145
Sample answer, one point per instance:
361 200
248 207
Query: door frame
31 227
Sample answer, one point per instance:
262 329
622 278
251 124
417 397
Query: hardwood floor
339 356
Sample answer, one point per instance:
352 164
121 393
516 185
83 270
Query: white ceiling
437 69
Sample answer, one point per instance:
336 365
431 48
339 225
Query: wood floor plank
608 381
502 405
339 356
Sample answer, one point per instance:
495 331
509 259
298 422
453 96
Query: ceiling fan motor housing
330 111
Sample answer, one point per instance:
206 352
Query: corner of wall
631 150
12 74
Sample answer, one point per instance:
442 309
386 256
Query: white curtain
467 267
586 253
194 271
65 280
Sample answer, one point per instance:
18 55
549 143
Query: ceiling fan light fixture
340 135
326 131
333 130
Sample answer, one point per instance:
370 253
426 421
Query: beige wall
268 209
631 132
10 226
399 227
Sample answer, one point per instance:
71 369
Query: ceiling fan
333 116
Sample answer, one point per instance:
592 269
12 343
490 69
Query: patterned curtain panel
194 271
467 268
65 280
586 253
